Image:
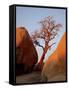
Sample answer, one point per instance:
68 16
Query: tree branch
51 45
38 44
48 31
51 38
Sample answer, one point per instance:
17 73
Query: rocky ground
33 77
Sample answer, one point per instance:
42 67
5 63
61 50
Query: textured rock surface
26 55
33 77
55 67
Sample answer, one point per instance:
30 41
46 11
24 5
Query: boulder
26 55
55 67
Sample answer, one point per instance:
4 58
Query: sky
29 17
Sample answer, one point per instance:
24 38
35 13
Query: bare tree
49 29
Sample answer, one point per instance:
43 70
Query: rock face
26 55
55 67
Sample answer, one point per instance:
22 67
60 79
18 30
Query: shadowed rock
26 55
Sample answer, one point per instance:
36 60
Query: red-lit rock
55 67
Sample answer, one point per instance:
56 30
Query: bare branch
57 26
37 43
51 45
49 30
51 38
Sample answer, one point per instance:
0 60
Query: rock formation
55 67
26 55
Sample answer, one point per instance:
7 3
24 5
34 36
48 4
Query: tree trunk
39 65
43 56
